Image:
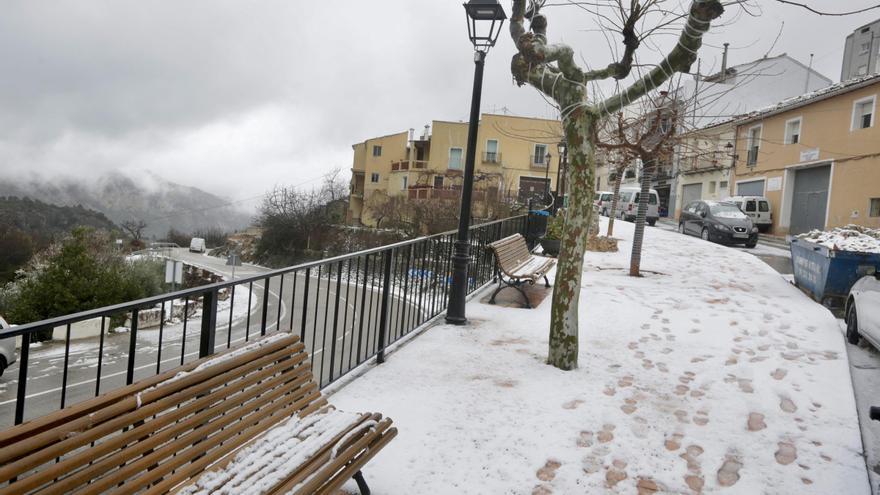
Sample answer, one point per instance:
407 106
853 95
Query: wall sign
774 184
810 155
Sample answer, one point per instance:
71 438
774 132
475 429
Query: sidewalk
709 374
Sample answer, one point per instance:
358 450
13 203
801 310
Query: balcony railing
538 162
752 158
409 165
491 157
346 310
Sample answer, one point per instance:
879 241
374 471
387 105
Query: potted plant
553 236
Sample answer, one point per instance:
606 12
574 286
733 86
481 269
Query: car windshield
721 210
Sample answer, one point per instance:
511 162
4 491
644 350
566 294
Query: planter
551 246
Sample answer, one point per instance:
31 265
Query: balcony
443 193
538 161
409 165
492 157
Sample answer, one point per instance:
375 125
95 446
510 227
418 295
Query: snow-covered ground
711 373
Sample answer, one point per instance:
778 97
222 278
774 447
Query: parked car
628 205
863 310
718 222
7 347
197 245
603 201
757 208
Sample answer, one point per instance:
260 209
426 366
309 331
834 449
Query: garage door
751 188
691 192
532 188
810 199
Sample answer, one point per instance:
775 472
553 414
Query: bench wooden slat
513 260
164 432
161 436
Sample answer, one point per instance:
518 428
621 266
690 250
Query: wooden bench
514 261
249 420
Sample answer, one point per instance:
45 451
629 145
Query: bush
79 273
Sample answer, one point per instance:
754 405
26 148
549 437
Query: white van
197 245
757 208
602 200
628 205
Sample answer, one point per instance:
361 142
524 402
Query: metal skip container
827 274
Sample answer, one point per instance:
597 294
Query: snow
674 367
850 238
261 465
269 339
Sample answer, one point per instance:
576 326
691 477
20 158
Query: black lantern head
560 147
485 19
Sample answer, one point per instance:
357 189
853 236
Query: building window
491 151
712 187
374 177
754 144
793 131
874 210
863 113
377 150
722 185
540 155
865 48
455 158
438 182
403 182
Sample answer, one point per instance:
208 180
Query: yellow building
817 158
512 163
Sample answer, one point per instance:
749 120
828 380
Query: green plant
555 226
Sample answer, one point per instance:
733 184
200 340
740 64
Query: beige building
512 163
817 158
705 164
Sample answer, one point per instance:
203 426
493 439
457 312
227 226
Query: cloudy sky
236 96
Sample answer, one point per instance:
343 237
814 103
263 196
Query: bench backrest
511 252
157 433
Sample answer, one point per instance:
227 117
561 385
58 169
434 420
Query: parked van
628 205
197 245
603 201
757 208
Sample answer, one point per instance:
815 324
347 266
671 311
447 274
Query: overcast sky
236 96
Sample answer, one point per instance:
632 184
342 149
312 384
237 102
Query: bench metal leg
361 483
546 282
521 291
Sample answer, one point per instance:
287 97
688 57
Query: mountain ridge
161 203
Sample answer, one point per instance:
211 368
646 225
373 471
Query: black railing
347 310
491 157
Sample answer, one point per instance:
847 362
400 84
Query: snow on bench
513 260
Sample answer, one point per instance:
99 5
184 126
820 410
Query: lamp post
547 159
484 18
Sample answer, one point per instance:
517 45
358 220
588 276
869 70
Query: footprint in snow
548 471
728 473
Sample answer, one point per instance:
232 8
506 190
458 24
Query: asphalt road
355 335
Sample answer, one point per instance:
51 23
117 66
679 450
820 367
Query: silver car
7 347
863 310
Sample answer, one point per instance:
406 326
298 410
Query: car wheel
751 243
852 325
704 234
2 365
681 228
651 222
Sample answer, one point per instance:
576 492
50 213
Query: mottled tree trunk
579 133
635 261
614 200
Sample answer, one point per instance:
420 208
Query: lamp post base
455 314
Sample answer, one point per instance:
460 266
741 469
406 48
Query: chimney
724 63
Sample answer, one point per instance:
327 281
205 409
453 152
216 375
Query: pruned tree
135 228
646 136
552 70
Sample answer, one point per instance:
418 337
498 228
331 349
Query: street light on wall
485 19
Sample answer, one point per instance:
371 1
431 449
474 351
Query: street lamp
485 19
547 159
562 169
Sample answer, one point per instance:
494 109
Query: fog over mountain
161 203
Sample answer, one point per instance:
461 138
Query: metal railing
491 157
346 309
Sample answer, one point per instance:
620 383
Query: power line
818 12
